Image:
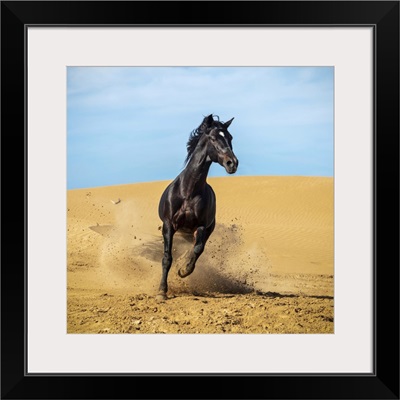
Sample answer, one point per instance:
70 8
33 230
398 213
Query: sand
267 268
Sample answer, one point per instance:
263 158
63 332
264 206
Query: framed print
298 101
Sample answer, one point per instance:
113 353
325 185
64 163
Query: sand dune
273 235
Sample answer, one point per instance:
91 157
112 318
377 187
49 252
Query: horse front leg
201 236
168 233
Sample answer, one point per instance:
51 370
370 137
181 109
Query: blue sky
131 124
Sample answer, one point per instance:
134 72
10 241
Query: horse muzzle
231 164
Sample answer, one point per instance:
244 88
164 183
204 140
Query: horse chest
191 208
189 215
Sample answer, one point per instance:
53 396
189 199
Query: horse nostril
229 163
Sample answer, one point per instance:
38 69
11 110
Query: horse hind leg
201 236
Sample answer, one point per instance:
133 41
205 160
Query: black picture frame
383 383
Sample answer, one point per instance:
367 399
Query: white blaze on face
222 134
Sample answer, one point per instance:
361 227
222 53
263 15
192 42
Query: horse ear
209 120
226 124
207 123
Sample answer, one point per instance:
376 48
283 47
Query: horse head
220 148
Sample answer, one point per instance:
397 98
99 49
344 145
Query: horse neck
195 174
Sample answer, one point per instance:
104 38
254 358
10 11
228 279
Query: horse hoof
183 273
161 297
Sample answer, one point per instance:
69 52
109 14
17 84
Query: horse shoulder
170 199
211 191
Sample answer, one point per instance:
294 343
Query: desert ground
267 268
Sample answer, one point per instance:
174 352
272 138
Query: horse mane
195 136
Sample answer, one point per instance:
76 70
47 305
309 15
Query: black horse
188 203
